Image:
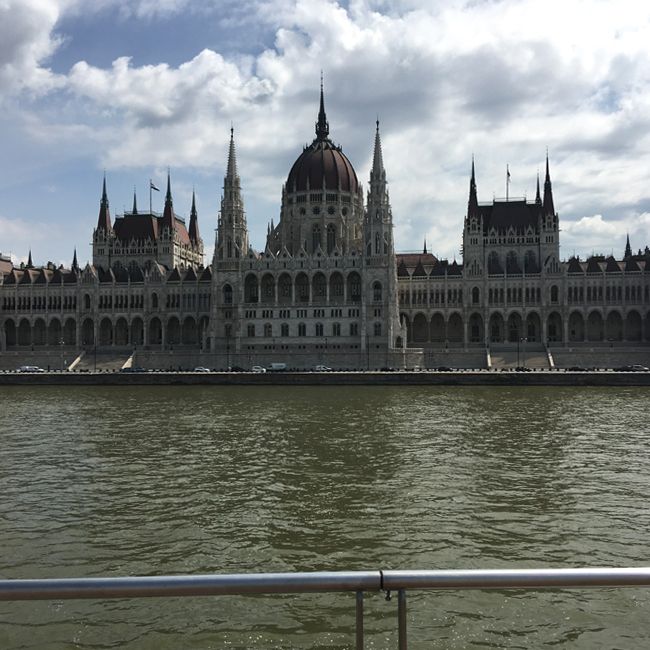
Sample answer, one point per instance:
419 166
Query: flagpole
507 182
150 191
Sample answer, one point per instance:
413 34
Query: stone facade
328 288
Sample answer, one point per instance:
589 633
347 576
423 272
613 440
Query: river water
167 480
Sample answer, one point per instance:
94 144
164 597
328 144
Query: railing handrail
324 581
319 581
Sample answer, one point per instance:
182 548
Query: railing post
401 618
359 645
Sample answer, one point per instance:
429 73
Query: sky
131 88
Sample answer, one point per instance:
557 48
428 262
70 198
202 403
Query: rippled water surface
143 481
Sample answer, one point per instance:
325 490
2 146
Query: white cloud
502 80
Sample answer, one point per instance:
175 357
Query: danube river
166 480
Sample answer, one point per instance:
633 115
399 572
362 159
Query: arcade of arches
593 326
106 332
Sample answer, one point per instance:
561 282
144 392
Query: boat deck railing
356 582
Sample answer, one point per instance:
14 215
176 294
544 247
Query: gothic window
268 330
319 329
554 293
530 263
354 329
315 237
475 296
229 248
238 247
227 330
86 301
154 301
512 263
284 329
377 248
336 329
377 329
331 237
227 294
493 263
251 330
376 292
302 329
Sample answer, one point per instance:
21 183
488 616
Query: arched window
315 237
284 329
377 329
331 237
319 329
227 294
512 263
377 246
336 329
554 293
475 296
494 266
154 301
530 262
268 330
251 330
229 248
302 329
376 292
86 301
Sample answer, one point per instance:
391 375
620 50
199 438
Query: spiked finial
472 203
322 126
135 202
194 221
549 208
75 265
538 198
104 219
377 159
169 219
231 170
168 195
628 248
424 250
30 265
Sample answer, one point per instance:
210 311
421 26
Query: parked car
236 369
202 369
634 368
258 369
29 369
322 368
444 369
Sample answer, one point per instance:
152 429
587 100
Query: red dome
322 164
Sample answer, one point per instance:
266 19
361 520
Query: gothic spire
424 250
538 198
194 223
378 159
75 264
549 208
231 170
104 219
472 203
169 219
30 265
322 126
135 203
628 248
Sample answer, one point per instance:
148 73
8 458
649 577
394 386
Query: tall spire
104 219
472 203
378 159
135 203
322 126
424 250
538 198
30 264
549 208
628 248
231 170
168 219
75 264
194 223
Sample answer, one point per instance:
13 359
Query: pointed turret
194 222
538 198
30 265
75 264
549 208
424 250
104 220
168 219
472 203
135 203
232 233
378 159
628 248
322 126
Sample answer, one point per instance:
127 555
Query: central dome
322 165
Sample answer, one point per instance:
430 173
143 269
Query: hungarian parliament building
328 285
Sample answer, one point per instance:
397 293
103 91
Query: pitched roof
518 214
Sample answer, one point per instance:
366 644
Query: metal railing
323 581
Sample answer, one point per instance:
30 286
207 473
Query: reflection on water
143 481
